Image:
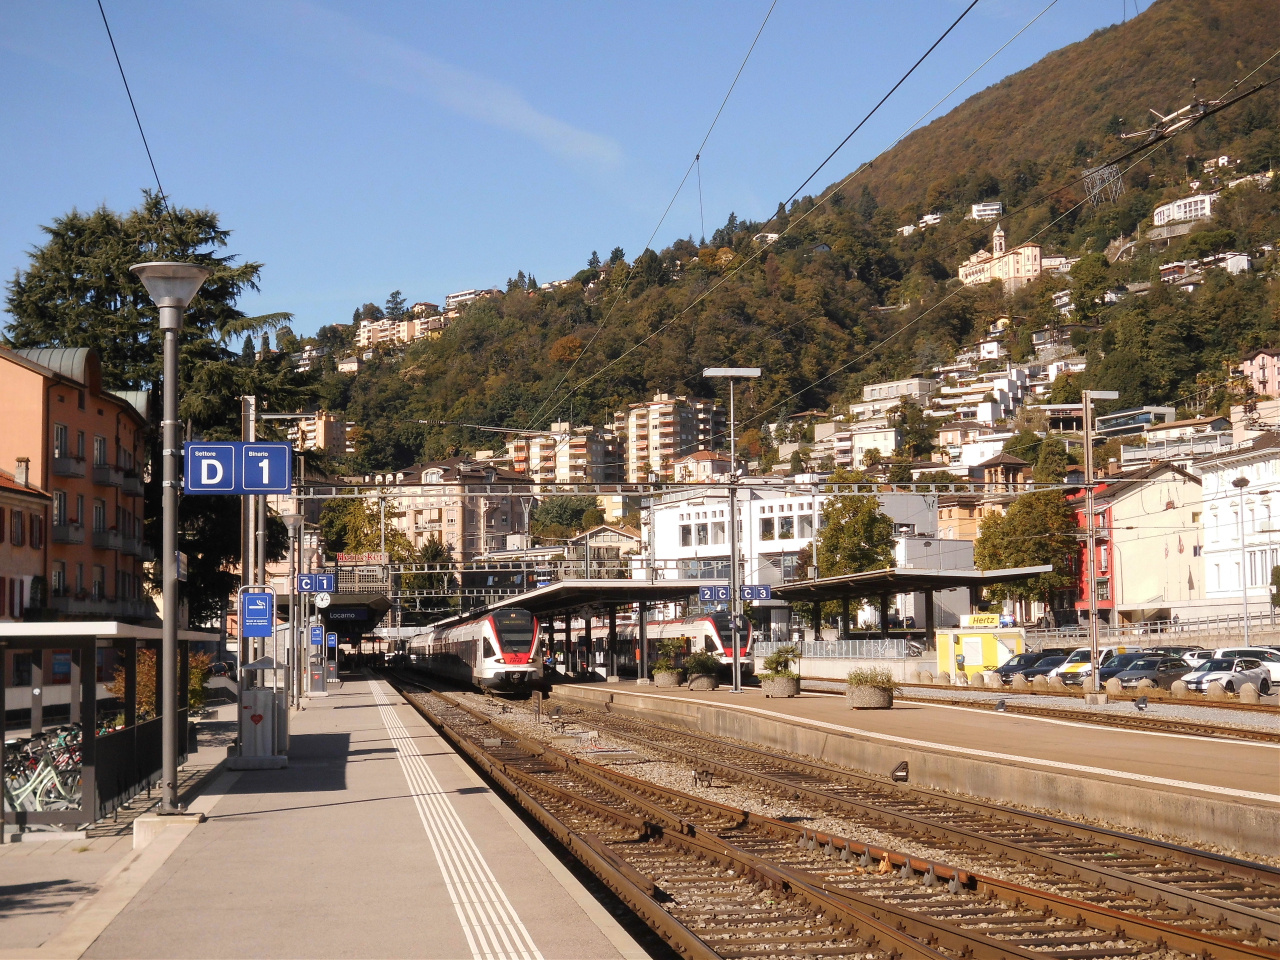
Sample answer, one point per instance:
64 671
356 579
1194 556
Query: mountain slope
1053 117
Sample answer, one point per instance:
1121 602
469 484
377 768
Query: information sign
316 582
757 591
333 640
237 467
257 614
317 636
718 594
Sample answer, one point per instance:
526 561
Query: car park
1173 649
1270 658
1160 669
1079 664
1121 661
1044 667
1018 663
1232 674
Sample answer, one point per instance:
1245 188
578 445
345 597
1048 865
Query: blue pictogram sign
257 614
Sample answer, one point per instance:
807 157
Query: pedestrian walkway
376 841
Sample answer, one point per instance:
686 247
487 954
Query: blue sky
356 148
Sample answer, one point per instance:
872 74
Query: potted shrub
701 668
778 679
870 689
665 671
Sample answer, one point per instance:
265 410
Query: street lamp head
293 521
734 373
171 284
1103 394
1240 482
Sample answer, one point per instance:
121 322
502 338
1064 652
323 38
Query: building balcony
102 608
106 539
68 533
130 547
107 476
68 466
132 484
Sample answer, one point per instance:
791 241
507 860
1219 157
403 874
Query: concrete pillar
642 671
930 627
612 641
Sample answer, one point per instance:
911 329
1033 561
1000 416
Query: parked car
1269 657
1044 667
1232 674
1173 650
1197 657
1119 663
1079 664
1159 668
1018 663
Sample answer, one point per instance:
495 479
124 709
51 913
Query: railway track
714 880
1150 874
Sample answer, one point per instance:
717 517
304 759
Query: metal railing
1189 630
867 648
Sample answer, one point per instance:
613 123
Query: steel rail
922 927
1243 917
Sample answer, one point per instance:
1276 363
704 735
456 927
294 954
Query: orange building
86 450
24 542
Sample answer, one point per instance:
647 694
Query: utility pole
1088 396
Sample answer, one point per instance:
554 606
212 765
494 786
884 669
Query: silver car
1232 674
1269 658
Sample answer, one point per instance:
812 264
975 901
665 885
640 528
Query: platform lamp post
293 522
735 588
1088 396
171 286
1240 483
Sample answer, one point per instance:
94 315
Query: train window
515 630
709 643
488 649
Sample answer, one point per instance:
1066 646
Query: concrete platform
376 841
1219 792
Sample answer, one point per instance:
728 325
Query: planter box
781 686
667 678
868 698
703 681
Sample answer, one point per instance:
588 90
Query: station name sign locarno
362 558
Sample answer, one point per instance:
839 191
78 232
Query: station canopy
567 595
891 580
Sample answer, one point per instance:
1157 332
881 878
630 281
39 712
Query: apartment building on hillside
566 454
879 398
324 432
668 428
86 446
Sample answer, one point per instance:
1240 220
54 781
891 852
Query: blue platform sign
257 614
237 468
317 636
333 640
757 591
317 583
717 594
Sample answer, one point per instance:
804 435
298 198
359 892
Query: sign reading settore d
237 468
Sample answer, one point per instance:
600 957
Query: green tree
560 517
856 535
1038 528
917 429
396 308
77 291
617 256
593 263
1052 464
1091 278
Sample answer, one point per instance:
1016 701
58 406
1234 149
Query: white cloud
387 62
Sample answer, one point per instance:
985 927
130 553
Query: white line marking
1067 723
988 754
493 929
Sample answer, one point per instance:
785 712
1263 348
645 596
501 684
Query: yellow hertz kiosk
980 644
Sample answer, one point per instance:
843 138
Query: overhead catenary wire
164 198
694 163
802 217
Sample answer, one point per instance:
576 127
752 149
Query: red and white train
502 649
710 633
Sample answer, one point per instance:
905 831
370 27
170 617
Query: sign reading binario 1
237 468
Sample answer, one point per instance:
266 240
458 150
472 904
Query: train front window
515 630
